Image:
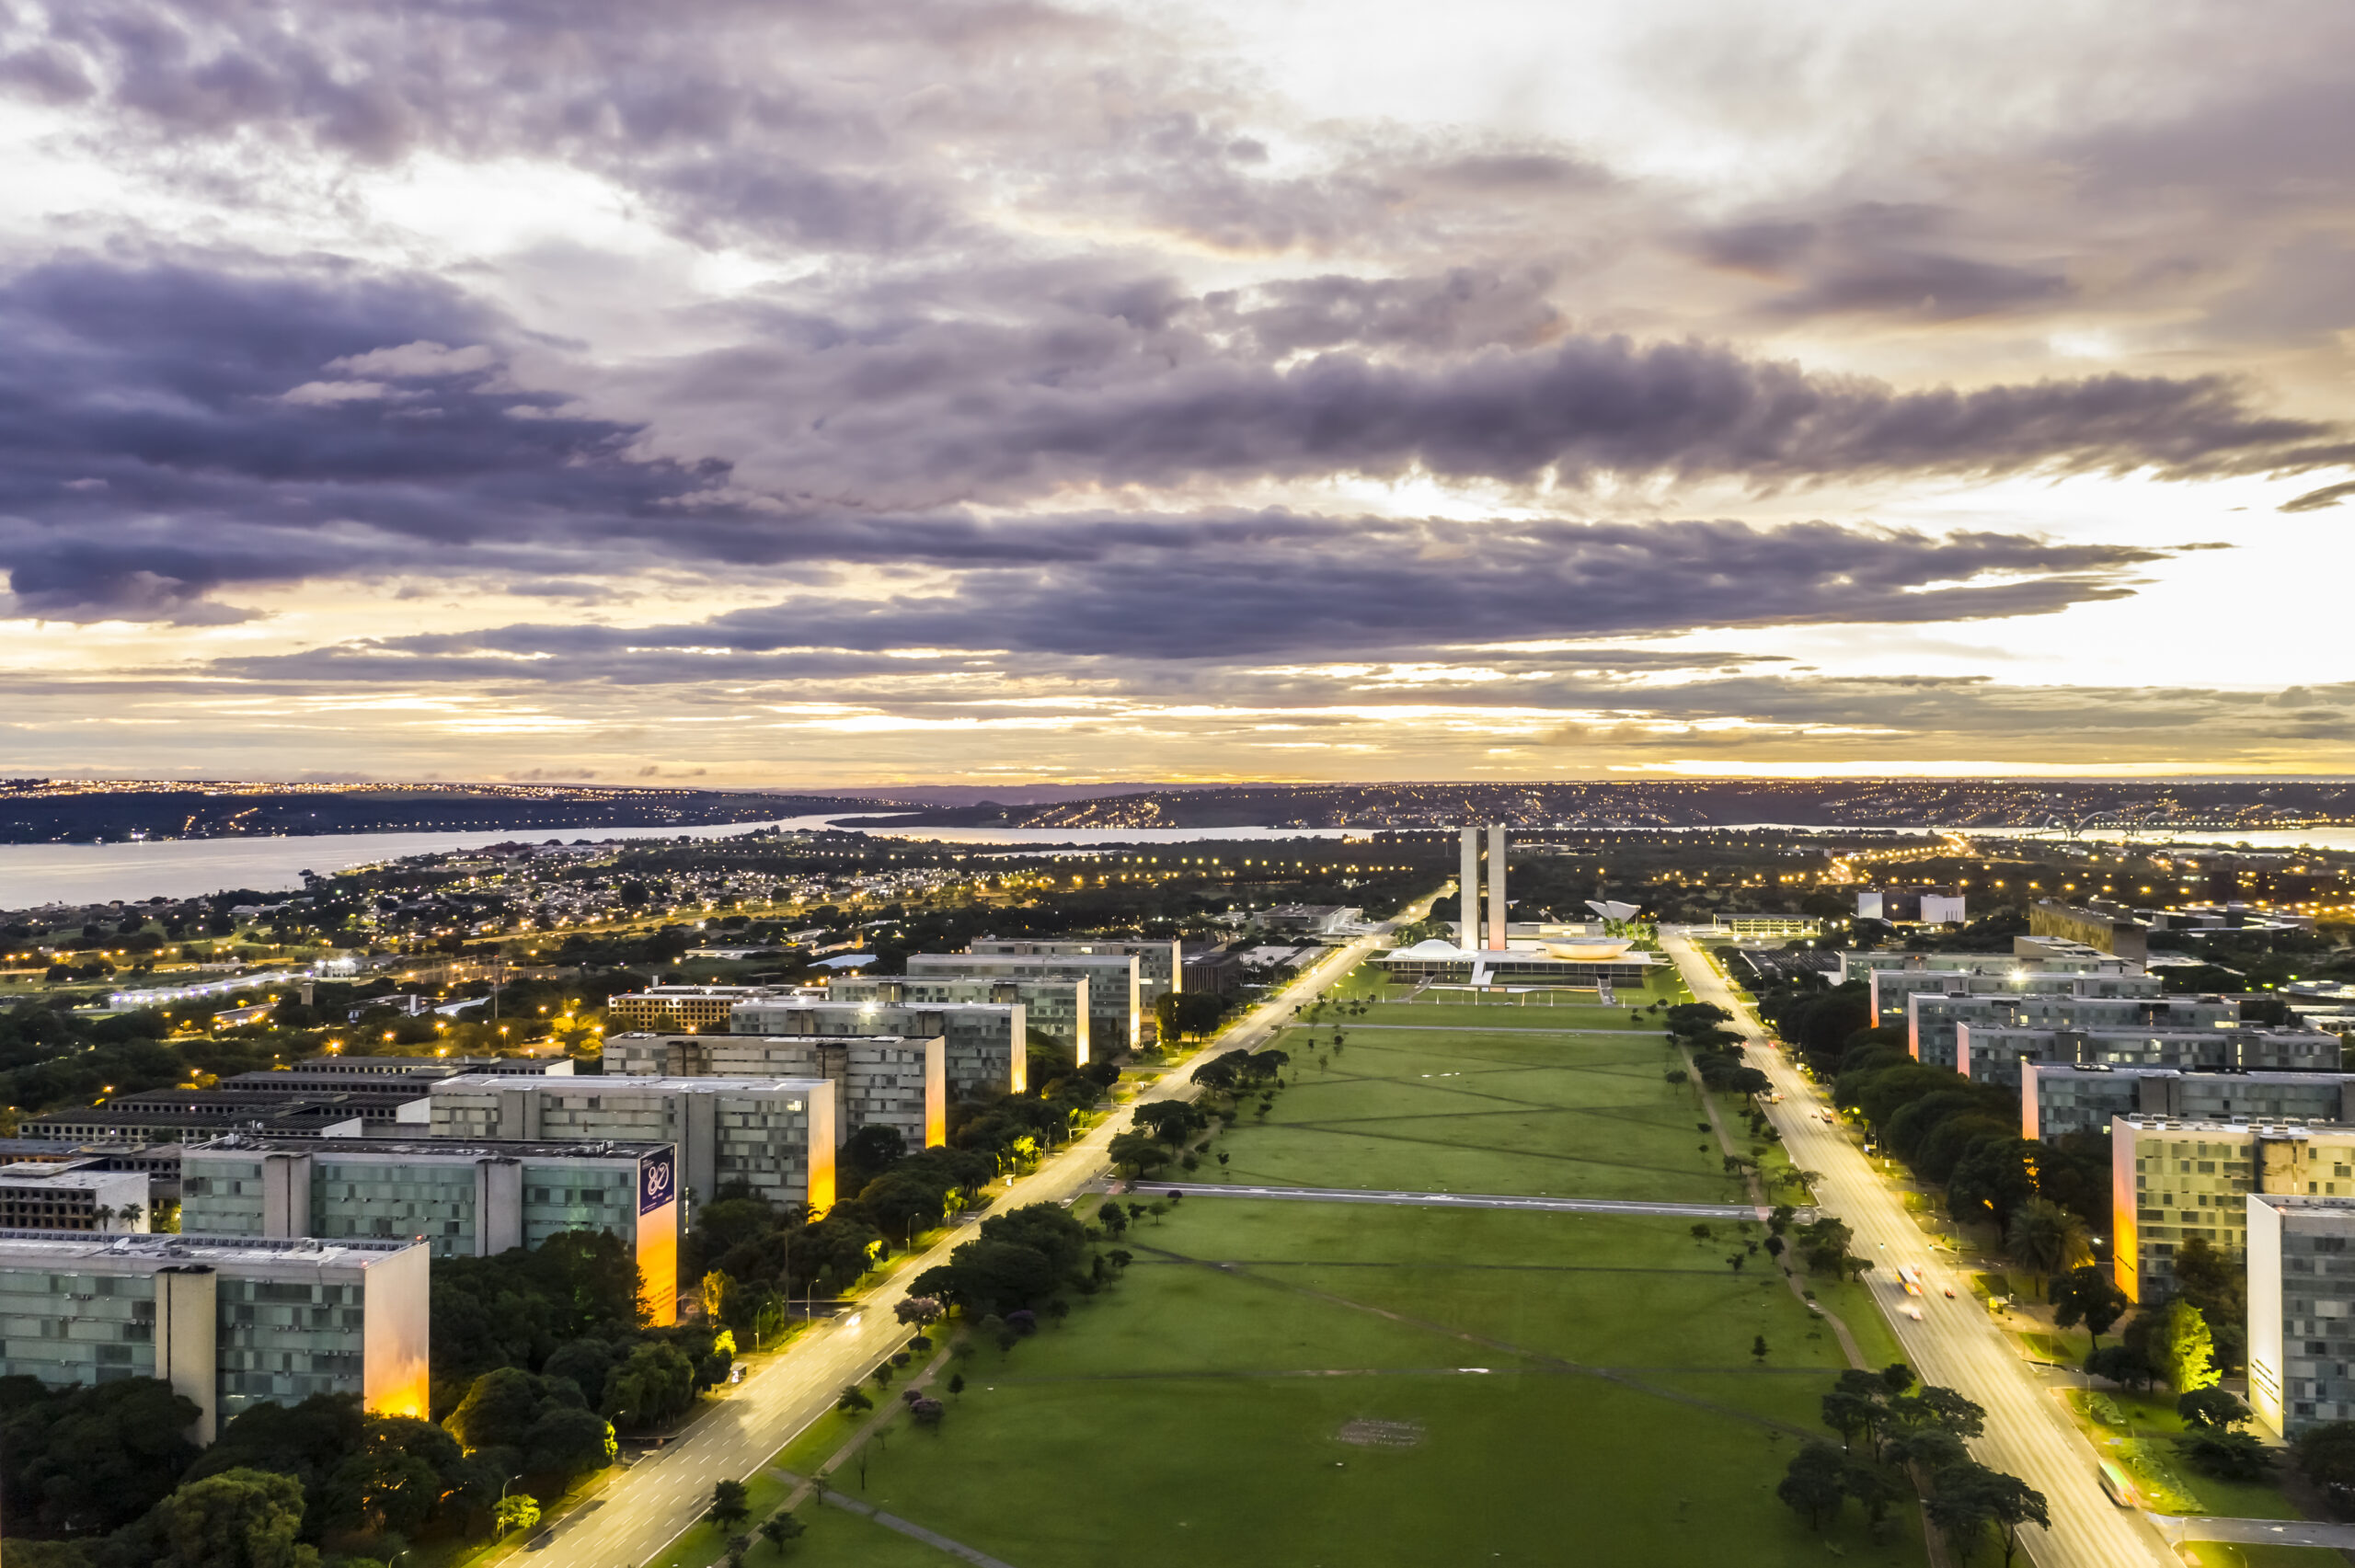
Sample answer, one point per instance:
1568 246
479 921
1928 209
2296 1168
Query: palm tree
2047 1239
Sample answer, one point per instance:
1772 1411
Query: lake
186 868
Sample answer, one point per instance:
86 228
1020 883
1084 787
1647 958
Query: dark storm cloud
1281 586
1464 308
1876 258
1576 409
168 430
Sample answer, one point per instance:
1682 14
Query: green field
1288 1383
1585 1115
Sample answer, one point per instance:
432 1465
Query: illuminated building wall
229 1320
658 1235
2172 1180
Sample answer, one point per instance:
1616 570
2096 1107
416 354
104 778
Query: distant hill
35 811
2220 804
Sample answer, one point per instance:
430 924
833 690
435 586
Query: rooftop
609 1085
2286 1126
428 1148
21 1247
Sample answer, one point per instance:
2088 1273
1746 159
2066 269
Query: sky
824 395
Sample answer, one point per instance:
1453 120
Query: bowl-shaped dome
1588 950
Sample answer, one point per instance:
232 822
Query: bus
1911 1277
2115 1486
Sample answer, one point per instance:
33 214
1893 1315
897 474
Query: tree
1859 1401
1968 1497
238 1518
2088 1296
781 1531
2211 1279
854 1400
1928 1451
500 1406
517 1511
568 1443
1873 1489
919 1310
2046 1238
728 1504
2186 1352
1169 1120
2217 1408
585 1364
2326 1454
1183 1014
1815 1484
2122 1364
875 1147
91 1458
1995 1177
1138 1151
2233 1455
1941 1408
656 1384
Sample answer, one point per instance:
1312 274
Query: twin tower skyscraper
1467 925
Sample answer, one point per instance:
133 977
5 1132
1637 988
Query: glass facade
286 1340
558 1196
393 1191
76 1328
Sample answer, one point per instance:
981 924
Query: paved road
1956 1345
643 1511
2256 1532
1458 1200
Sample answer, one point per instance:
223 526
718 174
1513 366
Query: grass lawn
1566 1116
837 1535
1530 1380
2145 1444
1310 1384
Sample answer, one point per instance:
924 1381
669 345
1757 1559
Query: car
1911 1311
1949 1292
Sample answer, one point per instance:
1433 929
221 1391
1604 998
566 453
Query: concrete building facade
1161 965
2111 931
1993 1054
229 1321
462 1199
1056 1007
1114 990
691 1009
986 1041
890 1081
2301 1310
775 1136
2172 1180
72 1195
2058 1098
1932 1019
